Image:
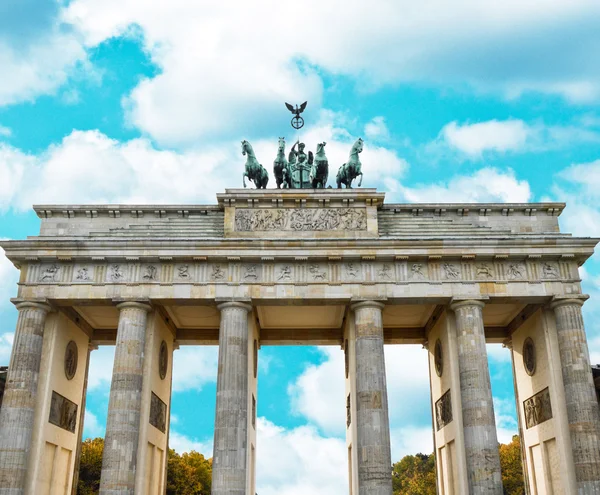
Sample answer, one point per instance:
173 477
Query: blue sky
134 101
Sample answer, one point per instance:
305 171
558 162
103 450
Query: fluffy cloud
473 139
182 443
227 67
299 461
485 185
91 426
194 366
513 135
89 167
318 395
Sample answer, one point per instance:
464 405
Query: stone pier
373 424
479 426
231 419
119 460
18 404
580 394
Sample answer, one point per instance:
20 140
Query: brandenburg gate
321 267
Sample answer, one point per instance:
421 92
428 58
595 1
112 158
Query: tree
414 475
90 466
512 467
187 474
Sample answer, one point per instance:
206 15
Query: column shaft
481 441
580 394
123 423
229 468
372 421
18 405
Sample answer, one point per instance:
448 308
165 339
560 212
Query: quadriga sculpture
352 168
281 167
254 170
319 171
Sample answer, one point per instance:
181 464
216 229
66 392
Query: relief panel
158 413
537 408
63 412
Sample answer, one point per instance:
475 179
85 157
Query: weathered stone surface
18 404
372 417
229 469
479 426
119 460
580 394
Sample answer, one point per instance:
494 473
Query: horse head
358 146
281 145
246 148
321 148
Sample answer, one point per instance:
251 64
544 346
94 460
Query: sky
132 101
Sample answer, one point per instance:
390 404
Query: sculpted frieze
298 272
300 219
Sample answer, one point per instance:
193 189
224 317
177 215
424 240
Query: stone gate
320 267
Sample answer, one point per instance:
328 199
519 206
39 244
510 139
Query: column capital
134 304
234 304
367 304
456 303
41 305
569 300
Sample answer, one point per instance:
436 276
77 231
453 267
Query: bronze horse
281 167
254 170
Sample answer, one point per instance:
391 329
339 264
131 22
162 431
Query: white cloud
505 414
498 353
182 443
91 426
377 130
6 343
89 167
474 139
410 441
194 366
5 131
485 185
41 69
299 461
101 369
232 66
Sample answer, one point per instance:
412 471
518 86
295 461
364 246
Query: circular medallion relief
346 358
163 360
529 361
255 358
438 358
71 358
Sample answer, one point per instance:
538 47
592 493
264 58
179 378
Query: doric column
16 415
481 441
372 417
580 395
229 468
122 426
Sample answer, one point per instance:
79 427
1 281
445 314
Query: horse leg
244 175
360 181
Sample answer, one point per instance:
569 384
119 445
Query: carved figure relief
537 408
300 219
251 272
158 413
183 272
484 271
116 274
416 271
351 270
150 272
385 273
317 273
49 274
450 271
83 274
550 270
217 273
529 358
443 411
285 273
63 412
438 358
163 360
348 412
515 271
71 359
